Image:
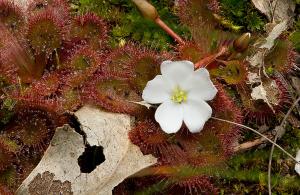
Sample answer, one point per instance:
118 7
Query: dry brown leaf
266 92
109 130
22 3
253 78
276 10
263 6
274 34
257 59
259 93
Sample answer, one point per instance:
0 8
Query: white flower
182 93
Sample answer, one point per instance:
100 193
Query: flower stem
168 30
210 59
150 12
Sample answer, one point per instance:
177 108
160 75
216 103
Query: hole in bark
75 124
91 158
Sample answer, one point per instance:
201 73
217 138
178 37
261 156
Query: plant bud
241 44
147 10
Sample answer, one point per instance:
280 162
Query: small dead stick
253 143
250 144
149 12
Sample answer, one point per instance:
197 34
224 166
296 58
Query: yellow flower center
179 95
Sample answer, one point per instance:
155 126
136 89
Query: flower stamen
179 95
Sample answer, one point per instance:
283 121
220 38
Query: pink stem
169 30
209 59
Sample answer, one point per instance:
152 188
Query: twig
282 124
250 144
273 10
255 131
57 59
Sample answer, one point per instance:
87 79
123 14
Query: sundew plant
209 111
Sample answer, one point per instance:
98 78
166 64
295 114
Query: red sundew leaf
13 53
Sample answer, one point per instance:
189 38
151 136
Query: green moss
242 13
243 179
9 176
10 144
251 166
6 111
230 180
295 36
128 24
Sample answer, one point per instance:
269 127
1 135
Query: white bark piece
60 158
123 158
267 91
59 164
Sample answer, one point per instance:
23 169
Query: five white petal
194 112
